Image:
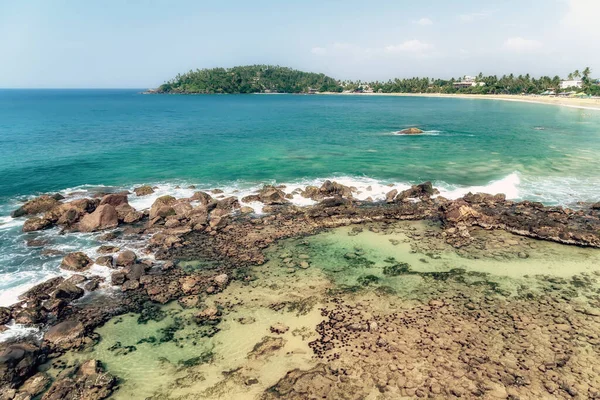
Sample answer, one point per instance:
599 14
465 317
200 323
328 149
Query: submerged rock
89 382
267 346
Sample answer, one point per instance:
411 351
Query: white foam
16 331
508 185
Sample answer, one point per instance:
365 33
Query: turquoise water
64 140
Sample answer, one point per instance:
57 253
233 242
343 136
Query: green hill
250 79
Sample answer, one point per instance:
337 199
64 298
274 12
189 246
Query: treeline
250 79
506 84
276 79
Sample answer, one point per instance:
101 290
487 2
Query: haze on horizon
110 44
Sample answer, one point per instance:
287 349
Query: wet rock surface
491 345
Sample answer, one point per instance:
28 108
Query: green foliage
250 79
275 79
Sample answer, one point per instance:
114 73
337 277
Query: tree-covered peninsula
249 79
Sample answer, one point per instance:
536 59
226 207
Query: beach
585 104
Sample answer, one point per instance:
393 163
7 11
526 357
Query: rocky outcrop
126 258
65 335
104 217
18 361
37 205
36 224
88 381
77 261
410 131
162 207
269 195
143 190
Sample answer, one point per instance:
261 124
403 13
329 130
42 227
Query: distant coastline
585 103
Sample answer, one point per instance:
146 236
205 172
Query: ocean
78 142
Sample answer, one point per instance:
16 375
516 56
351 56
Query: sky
141 44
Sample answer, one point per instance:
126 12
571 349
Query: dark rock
118 278
42 290
5 315
68 291
65 335
17 362
106 261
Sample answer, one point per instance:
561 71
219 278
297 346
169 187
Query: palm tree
576 73
586 72
570 76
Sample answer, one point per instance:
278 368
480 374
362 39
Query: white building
468 81
564 84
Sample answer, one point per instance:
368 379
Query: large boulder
228 204
36 224
69 213
202 197
77 261
143 190
36 384
43 290
271 195
104 217
65 335
17 362
68 291
422 191
115 199
163 207
36 206
126 258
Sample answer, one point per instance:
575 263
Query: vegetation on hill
275 79
250 79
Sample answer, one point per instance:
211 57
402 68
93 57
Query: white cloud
318 51
424 22
410 46
474 16
521 45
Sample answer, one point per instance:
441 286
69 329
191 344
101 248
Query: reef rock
88 382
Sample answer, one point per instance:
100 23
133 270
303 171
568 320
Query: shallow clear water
86 140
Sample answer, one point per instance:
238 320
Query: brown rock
104 217
143 190
65 335
36 224
77 261
106 261
37 205
36 384
126 258
163 207
410 131
115 199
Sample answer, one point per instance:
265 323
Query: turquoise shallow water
53 140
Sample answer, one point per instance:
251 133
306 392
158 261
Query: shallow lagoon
380 268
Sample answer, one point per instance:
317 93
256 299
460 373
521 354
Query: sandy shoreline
586 104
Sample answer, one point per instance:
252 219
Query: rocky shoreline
232 238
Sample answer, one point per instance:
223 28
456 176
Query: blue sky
134 43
